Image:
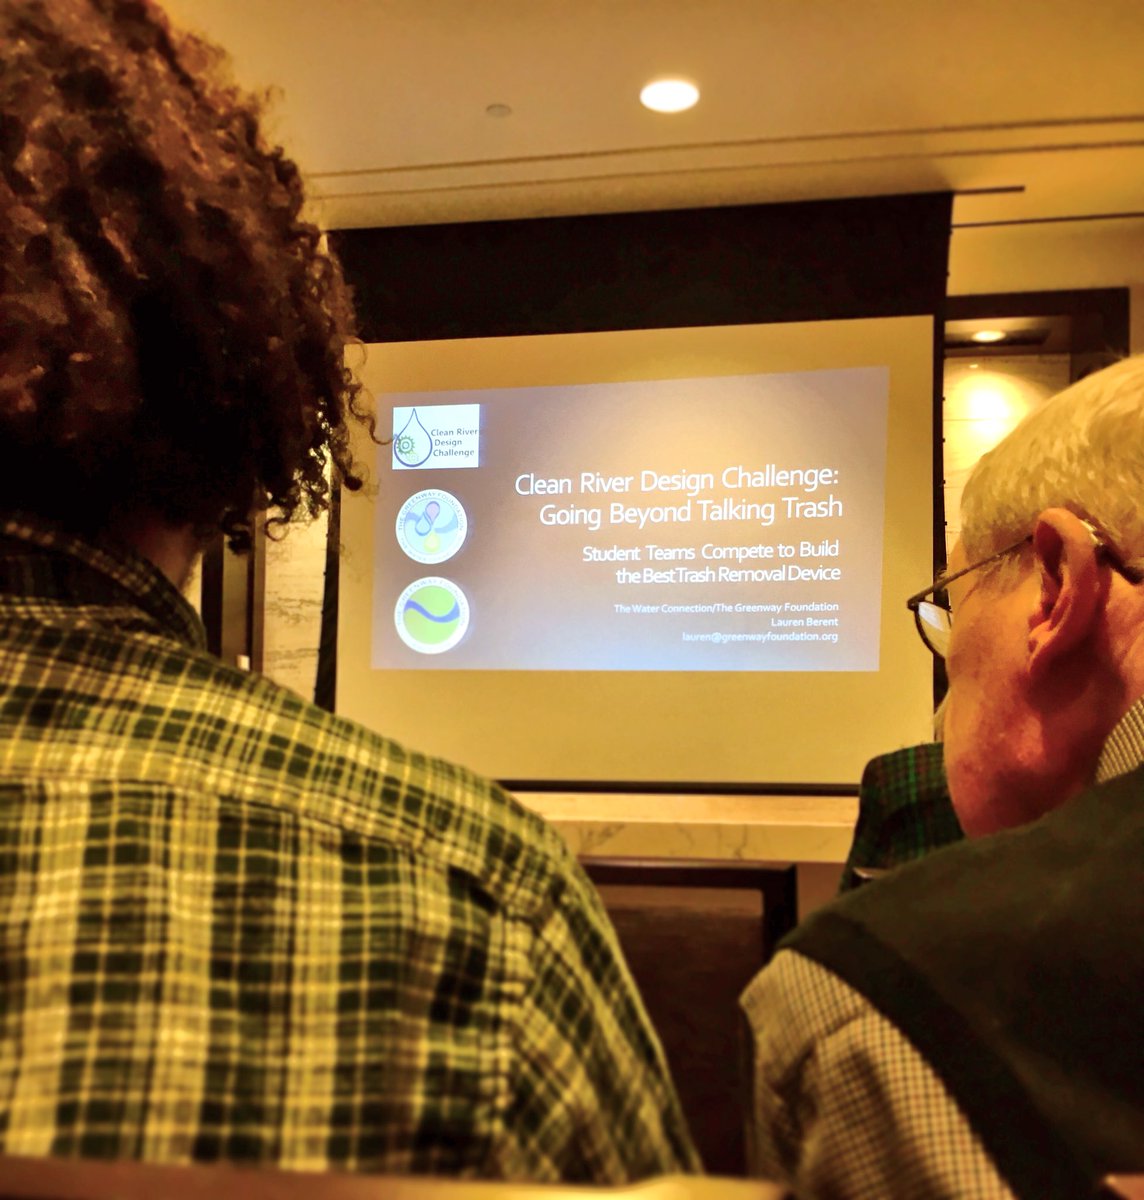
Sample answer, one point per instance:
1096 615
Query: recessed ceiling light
669 95
989 335
974 366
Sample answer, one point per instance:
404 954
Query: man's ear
1073 589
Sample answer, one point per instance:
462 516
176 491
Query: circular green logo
431 615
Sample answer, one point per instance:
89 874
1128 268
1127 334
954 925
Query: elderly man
971 1025
233 926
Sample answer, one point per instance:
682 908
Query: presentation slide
714 524
661 556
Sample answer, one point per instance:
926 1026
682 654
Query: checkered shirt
843 1106
233 926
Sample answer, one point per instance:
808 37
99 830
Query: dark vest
1015 965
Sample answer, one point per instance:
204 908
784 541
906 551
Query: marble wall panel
295 581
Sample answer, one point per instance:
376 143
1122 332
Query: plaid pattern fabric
233 926
904 811
843 1105
1124 749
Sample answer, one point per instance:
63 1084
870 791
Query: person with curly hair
233 926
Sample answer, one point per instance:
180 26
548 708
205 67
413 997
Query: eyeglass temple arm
943 581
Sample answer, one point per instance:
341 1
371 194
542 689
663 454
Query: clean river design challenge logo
433 437
431 526
431 615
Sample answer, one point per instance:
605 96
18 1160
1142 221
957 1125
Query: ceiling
1030 112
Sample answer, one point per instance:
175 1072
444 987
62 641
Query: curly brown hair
172 331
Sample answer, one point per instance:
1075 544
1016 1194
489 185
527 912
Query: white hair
1082 450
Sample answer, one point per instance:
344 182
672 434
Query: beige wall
982 404
1052 257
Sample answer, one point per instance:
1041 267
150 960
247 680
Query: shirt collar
127 571
1124 749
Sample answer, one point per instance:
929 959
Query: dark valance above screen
812 261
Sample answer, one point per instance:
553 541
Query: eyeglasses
934 618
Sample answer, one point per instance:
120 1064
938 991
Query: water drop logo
431 526
435 437
413 443
431 615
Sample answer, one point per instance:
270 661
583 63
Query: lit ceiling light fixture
669 95
989 335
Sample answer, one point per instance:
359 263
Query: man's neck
174 549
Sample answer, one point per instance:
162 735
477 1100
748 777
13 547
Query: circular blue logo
431 526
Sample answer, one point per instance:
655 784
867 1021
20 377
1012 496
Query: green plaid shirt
904 811
236 927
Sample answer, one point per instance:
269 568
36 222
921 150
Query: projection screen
659 556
